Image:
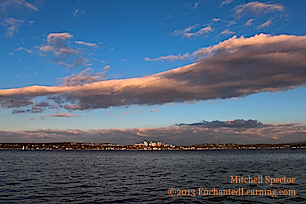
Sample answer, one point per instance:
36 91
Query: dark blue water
146 176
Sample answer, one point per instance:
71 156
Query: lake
153 176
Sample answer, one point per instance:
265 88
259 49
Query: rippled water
145 176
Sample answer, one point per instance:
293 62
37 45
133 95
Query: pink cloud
57 114
257 8
153 110
273 63
231 131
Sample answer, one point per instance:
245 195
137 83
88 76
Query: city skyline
182 72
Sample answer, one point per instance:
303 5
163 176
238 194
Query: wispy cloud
225 2
249 22
22 2
230 23
106 67
84 77
12 25
16 4
61 52
232 131
67 115
186 30
200 32
274 63
257 8
24 49
86 43
153 110
195 5
170 58
76 11
265 24
226 32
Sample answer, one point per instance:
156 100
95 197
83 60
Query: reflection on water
145 176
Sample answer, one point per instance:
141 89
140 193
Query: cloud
67 115
233 131
257 8
76 11
28 5
86 43
249 22
265 24
236 67
195 5
35 108
171 58
226 32
153 110
106 67
230 23
234 99
30 23
18 111
84 77
182 32
61 51
225 2
239 123
200 32
12 25
24 49
14 5
190 102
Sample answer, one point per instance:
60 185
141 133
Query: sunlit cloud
257 8
106 67
153 110
84 77
249 22
170 58
226 2
233 68
86 43
186 30
12 25
265 24
57 114
23 49
237 131
200 32
76 11
226 32
61 52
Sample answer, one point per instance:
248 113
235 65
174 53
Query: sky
181 72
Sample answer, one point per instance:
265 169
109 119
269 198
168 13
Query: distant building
145 143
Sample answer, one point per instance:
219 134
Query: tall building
145 143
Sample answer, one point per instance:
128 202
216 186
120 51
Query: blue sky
128 71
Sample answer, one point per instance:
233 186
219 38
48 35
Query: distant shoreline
68 146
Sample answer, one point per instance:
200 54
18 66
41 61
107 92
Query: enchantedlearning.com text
228 192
